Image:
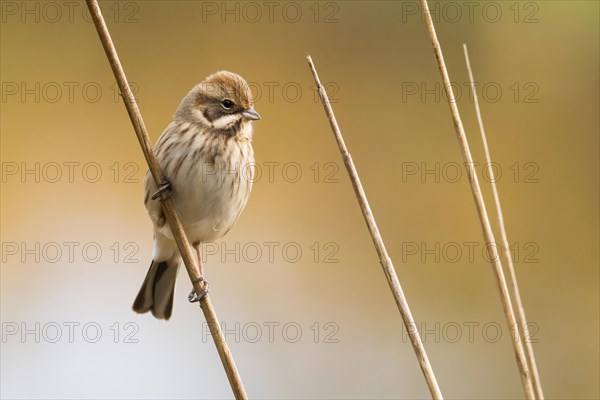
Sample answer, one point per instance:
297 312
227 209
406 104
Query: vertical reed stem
386 262
524 329
480 205
172 218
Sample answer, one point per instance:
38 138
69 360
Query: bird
207 159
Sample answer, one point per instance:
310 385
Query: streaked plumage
206 154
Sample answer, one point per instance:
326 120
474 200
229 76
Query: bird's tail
156 293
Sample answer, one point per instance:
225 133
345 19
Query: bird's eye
227 104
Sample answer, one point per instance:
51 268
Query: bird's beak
251 114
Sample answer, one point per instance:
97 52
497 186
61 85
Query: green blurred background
297 283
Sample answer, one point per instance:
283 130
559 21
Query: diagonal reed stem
524 329
167 203
384 259
480 205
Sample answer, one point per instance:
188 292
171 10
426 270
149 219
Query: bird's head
222 101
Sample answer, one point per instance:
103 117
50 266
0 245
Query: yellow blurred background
297 283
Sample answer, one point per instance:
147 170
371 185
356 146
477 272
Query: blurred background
297 285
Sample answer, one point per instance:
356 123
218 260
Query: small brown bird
207 159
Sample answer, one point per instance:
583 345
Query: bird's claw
163 187
193 297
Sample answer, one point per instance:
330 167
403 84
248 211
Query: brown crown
225 84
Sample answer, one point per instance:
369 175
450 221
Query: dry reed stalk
167 204
524 329
480 205
386 262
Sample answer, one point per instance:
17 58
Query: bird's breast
216 188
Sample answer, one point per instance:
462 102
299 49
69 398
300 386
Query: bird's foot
163 187
193 297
